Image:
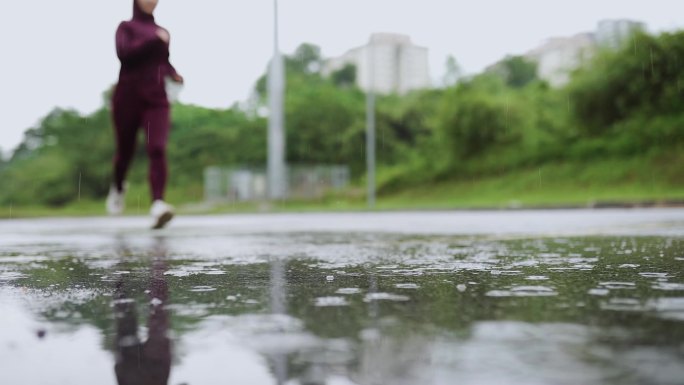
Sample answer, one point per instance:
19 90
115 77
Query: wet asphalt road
475 297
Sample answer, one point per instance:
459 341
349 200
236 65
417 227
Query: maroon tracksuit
140 100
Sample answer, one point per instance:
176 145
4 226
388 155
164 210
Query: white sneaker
116 201
162 213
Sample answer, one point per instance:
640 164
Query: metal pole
370 129
276 122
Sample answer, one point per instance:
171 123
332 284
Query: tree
477 116
453 72
516 71
306 59
644 79
3 161
345 76
325 123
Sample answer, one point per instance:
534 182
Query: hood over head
139 15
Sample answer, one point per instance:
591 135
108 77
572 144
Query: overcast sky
61 53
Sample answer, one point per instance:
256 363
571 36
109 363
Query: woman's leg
156 122
126 122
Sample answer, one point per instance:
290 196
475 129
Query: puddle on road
356 309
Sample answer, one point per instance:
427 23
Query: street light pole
276 121
370 129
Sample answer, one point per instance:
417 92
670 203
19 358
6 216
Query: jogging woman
140 102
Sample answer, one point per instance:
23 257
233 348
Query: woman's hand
177 78
163 35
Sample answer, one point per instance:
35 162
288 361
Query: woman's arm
174 74
170 70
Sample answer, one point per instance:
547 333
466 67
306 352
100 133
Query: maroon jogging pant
132 112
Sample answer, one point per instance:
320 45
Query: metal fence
243 184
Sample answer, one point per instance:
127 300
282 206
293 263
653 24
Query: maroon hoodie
144 56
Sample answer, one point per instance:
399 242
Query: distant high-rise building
613 33
558 56
389 63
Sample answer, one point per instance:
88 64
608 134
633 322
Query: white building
612 33
389 63
558 56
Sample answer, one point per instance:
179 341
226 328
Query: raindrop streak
635 51
540 178
506 112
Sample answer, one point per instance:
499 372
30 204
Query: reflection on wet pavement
342 308
139 363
